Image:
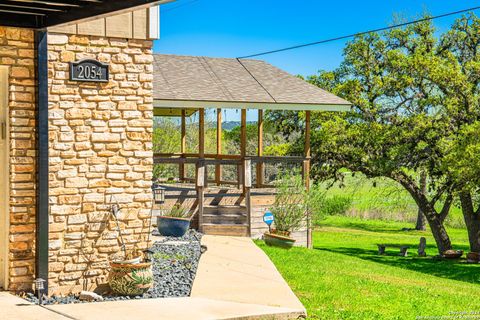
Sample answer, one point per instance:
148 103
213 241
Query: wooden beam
306 174
183 145
243 147
247 186
260 165
200 186
307 134
201 133
243 134
218 167
201 141
307 151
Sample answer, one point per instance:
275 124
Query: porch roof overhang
192 83
40 14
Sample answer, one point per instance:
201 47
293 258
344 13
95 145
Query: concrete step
225 230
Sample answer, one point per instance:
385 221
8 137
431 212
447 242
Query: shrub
336 205
289 209
178 211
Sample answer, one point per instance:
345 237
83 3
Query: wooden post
218 166
260 149
200 185
201 133
306 175
183 146
307 151
201 140
248 185
243 145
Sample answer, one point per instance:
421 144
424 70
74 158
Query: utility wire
180 5
359 33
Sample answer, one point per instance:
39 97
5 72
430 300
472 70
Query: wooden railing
244 173
223 159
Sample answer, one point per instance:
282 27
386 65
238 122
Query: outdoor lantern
39 287
158 193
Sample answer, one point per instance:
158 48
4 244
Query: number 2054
89 72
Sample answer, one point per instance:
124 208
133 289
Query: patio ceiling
39 14
203 82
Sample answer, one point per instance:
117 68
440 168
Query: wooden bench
403 248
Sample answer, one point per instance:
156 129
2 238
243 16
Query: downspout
41 218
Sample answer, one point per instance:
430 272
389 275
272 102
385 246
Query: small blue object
268 218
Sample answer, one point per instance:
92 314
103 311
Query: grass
383 199
344 278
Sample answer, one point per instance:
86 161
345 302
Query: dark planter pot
452 254
130 279
275 240
172 227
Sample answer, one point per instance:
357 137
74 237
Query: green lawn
344 278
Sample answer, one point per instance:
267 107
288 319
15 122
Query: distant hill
229 125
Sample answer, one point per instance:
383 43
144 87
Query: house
77 99
186 86
70 148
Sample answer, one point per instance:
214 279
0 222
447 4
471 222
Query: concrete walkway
235 269
13 308
235 280
171 309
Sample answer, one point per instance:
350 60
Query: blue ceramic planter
172 227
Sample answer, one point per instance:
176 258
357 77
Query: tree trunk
435 221
472 221
421 220
438 231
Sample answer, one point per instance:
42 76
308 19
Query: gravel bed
175 262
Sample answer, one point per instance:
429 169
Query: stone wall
100 139
17 52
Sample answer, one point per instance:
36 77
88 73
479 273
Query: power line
359 33
180 5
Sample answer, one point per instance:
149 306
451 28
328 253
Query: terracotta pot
279 241
473 257
452 254
130 279
172 227
129 261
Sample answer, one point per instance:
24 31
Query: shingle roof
189 78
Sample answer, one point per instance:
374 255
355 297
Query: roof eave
159 103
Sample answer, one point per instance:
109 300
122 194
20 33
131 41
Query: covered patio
187 85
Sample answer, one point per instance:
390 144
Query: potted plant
130 274
175 222
289 212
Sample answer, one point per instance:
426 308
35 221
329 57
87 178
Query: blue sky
228 28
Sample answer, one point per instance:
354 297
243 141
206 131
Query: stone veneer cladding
100 137
17 52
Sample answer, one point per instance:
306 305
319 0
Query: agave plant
178 211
